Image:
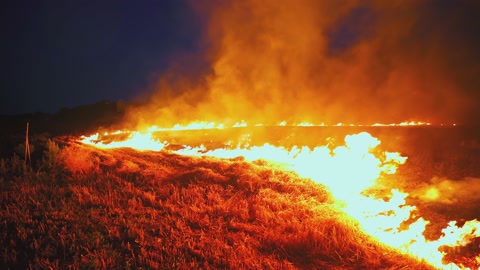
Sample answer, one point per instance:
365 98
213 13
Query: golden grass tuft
79 161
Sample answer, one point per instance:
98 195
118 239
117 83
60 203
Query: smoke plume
357 62
448 191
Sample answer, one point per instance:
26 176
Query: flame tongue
348 171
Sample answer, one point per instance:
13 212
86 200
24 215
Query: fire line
347 170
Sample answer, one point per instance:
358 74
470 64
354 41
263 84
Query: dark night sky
59 53
320 61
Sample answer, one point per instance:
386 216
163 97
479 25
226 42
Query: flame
347 170
136 140
403 124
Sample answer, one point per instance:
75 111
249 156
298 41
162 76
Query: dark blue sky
59 53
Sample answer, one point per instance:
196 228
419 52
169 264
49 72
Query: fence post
27 147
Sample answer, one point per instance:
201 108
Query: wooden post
27 147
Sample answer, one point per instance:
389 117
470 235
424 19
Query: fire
194 126
136 140
403 124
348 170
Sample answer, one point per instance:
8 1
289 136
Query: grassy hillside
80 207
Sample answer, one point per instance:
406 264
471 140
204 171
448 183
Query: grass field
77 206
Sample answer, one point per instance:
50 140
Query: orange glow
348 171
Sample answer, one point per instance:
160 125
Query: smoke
326 61
449 191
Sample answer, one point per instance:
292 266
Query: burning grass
84 207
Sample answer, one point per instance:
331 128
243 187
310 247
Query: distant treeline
76 121
67 121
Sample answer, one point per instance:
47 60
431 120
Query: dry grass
110 209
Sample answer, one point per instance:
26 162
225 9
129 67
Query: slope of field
81 207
